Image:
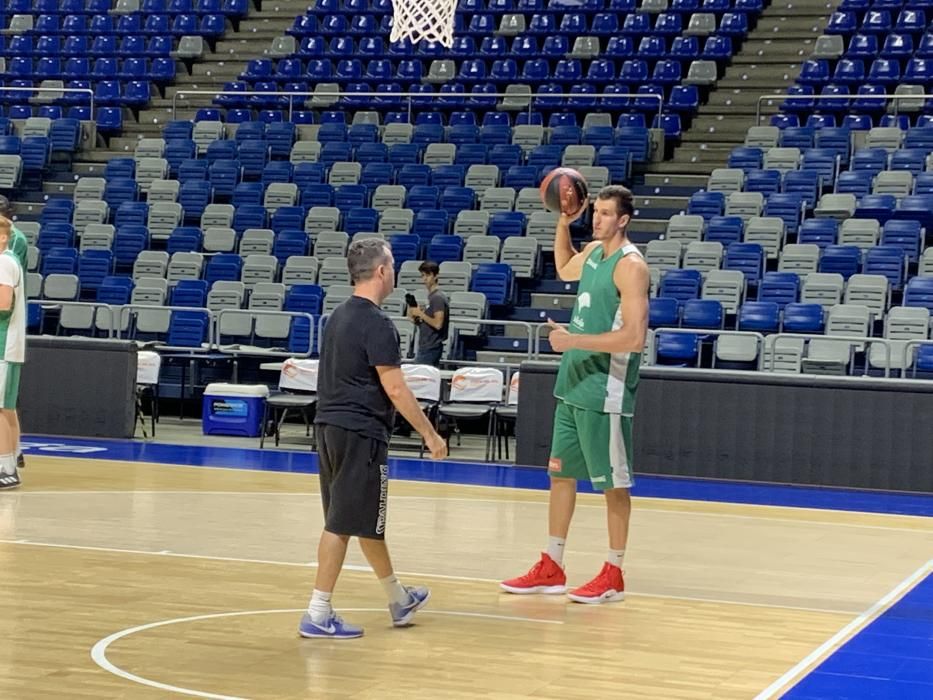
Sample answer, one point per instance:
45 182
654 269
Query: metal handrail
525 325
409 96
97 306
63 90
136 308
851 339
229 350
759 337
826 98
909 352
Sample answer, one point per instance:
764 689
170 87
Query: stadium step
767 64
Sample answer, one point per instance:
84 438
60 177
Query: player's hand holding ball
559 337
564 191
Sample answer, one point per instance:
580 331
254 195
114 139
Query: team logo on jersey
592 263
584 301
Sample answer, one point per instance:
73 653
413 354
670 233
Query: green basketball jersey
20 247
599 381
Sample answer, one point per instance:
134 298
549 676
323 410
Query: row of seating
733 24
211 26
232 8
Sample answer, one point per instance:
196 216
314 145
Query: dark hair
6 208
623 197
364 256
429 267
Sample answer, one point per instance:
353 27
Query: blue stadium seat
888 261
663 312
702 313
781 288
919 292
843 259
681 285
184 239
759 316
803 318
677 349
724 230
707 204
495 280
748 258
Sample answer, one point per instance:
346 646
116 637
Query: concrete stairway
767 64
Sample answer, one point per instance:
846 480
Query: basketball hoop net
423 20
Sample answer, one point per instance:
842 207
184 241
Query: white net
423 20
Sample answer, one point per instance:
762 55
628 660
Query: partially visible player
19 244
595 388
12 351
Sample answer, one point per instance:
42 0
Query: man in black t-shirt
433 320
360 385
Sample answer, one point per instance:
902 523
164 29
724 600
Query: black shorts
354 482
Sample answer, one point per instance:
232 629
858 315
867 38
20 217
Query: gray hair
6 208
364 256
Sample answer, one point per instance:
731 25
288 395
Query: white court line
99 650
850 630
413 574
666 511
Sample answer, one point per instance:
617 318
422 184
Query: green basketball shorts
9 383
592 445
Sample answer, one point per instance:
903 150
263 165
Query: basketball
564 190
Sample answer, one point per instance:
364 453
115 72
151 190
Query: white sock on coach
395 591
319 607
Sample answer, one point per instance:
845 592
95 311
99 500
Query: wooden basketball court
133 580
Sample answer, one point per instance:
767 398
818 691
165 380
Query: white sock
395 591
19 449
615 557
7 465
319 607
555 549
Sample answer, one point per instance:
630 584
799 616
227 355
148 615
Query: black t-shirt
428 338
358 337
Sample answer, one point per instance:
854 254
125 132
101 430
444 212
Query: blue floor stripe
481 474
890 658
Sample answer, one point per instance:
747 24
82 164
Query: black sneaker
9 481
20 461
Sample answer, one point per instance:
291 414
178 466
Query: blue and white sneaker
334 628
418 597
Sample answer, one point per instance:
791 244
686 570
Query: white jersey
13 322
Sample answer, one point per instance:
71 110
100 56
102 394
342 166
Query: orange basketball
564 190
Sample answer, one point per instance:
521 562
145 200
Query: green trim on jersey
599 381
19 244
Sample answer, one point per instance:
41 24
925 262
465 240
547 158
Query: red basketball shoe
546 576
607 587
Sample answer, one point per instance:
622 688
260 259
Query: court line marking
496 487
818 655
413 574
99 650
741 516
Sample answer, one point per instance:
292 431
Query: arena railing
409 97
55 90
95 307
257 351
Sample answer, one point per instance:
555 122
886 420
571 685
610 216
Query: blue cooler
233 409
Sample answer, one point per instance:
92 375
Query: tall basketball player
595 392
